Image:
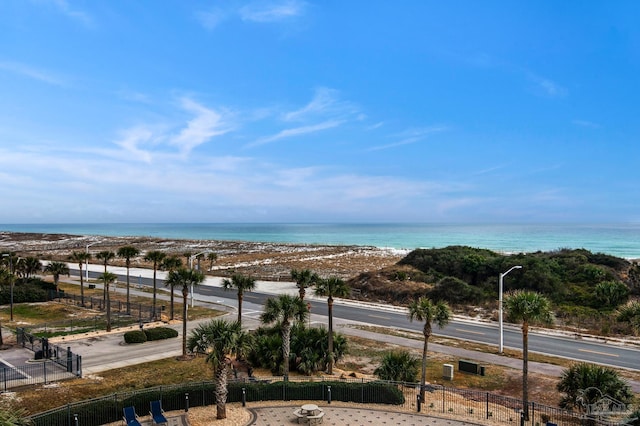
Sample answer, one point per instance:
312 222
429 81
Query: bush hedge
135 336
160 333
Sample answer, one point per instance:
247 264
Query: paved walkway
344 416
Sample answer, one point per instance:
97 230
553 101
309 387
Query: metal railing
439 401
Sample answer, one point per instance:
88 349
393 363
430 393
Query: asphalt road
579 348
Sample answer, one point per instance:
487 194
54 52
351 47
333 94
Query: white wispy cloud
131 141
206 124
271 11
31 72
410 137
586 123
66 9
211 18
325 102
547 87
297 131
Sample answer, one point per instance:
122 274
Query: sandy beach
267 261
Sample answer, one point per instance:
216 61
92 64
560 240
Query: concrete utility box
470 367
447 371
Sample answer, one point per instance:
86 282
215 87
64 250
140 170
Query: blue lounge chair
130 417
157 413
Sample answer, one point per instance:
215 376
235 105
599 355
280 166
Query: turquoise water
622 240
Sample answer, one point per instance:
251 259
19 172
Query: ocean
621 240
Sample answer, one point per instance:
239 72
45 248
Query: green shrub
135 336
160 333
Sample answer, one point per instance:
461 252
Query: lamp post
501 277
86 261
191 258
11 283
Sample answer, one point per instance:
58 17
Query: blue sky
319 111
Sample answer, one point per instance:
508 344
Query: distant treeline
466 275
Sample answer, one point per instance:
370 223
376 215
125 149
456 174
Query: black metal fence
48 352
439 401
135 311
43 371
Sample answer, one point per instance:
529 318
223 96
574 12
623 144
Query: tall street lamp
191 259
12 278
500 304
86 261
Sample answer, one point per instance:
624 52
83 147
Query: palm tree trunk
221 391
240 297
106 287
302 292
525 369
171 314
128 304
286 348
155 268
81 285
185 293
330 345
423 375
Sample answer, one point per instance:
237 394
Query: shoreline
263 260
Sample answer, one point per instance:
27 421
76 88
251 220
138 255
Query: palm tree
585 383
304 278
80 257
424 310
127 252
630 313
220 340
105 256
29 266
56 269
107 278
284 309
169 264
527 307
331 287
398 366
241 283
211 257
156 257
185 278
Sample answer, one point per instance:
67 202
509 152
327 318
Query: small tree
105 256
304 279
169 264
284 309
331 287
527 307
585 383
107 278
127 252
242 284
156 257
220 340
185 278
56 269
80 257
630 313
424 310
398 366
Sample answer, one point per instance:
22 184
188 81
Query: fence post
186 402
4 378
79 365
244 397
69 360
443 399
44 368
75 416
328 394
418 402
487 405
